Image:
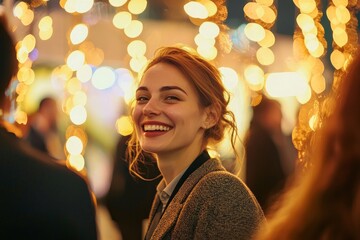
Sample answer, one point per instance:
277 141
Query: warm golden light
67 105
84 6
342 14
27 18
74 145
269 39
210 7
79 98
265 56
137 63
318 52
117 3
254 76
134 29
209 29
307 6
79 132
305 22
20 9
229 78
305 97
318 83
136 48
265 2
79 33
337 59
208 52
63 72
122 19
203 40
70 6
124 125
103 78
340 2
253 10
73 85
78 115
21 87
75 60
331 12
196 10
45 23
255 32
340 36
311 42
22 54
29 42
84 73
137 6
21 117
26 75
269 15
285 84
46 35
77 162
313 122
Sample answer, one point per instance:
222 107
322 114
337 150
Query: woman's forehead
165 74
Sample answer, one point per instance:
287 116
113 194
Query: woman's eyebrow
167 88
163 89
142 88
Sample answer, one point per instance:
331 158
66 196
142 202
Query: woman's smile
154 129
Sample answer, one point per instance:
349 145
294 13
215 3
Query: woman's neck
173 163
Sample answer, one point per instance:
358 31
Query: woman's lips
154 129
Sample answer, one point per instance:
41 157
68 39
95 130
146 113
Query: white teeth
156 128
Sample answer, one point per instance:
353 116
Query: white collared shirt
165 191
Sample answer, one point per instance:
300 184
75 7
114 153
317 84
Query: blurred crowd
44 199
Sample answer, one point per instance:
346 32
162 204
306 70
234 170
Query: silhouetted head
268 114
8 61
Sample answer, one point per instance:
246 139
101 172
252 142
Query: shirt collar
164 191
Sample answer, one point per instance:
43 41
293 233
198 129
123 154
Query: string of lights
343 21
84 62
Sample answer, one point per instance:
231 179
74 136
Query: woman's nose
151 108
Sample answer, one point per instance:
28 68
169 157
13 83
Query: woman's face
167 114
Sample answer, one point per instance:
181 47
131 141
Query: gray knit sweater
211 204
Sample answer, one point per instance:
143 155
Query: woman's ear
211 117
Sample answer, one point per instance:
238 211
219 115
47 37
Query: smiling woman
181 110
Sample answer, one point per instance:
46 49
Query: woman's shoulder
224 190
221 183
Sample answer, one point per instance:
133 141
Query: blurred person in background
43 131
129 198
267 152
323 202
40 199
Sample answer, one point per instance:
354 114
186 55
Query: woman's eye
141 99
172 98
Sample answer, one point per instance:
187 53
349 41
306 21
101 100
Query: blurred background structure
88 54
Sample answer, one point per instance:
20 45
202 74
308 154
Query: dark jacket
264 173
211 204
129 199
41 199
36 140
